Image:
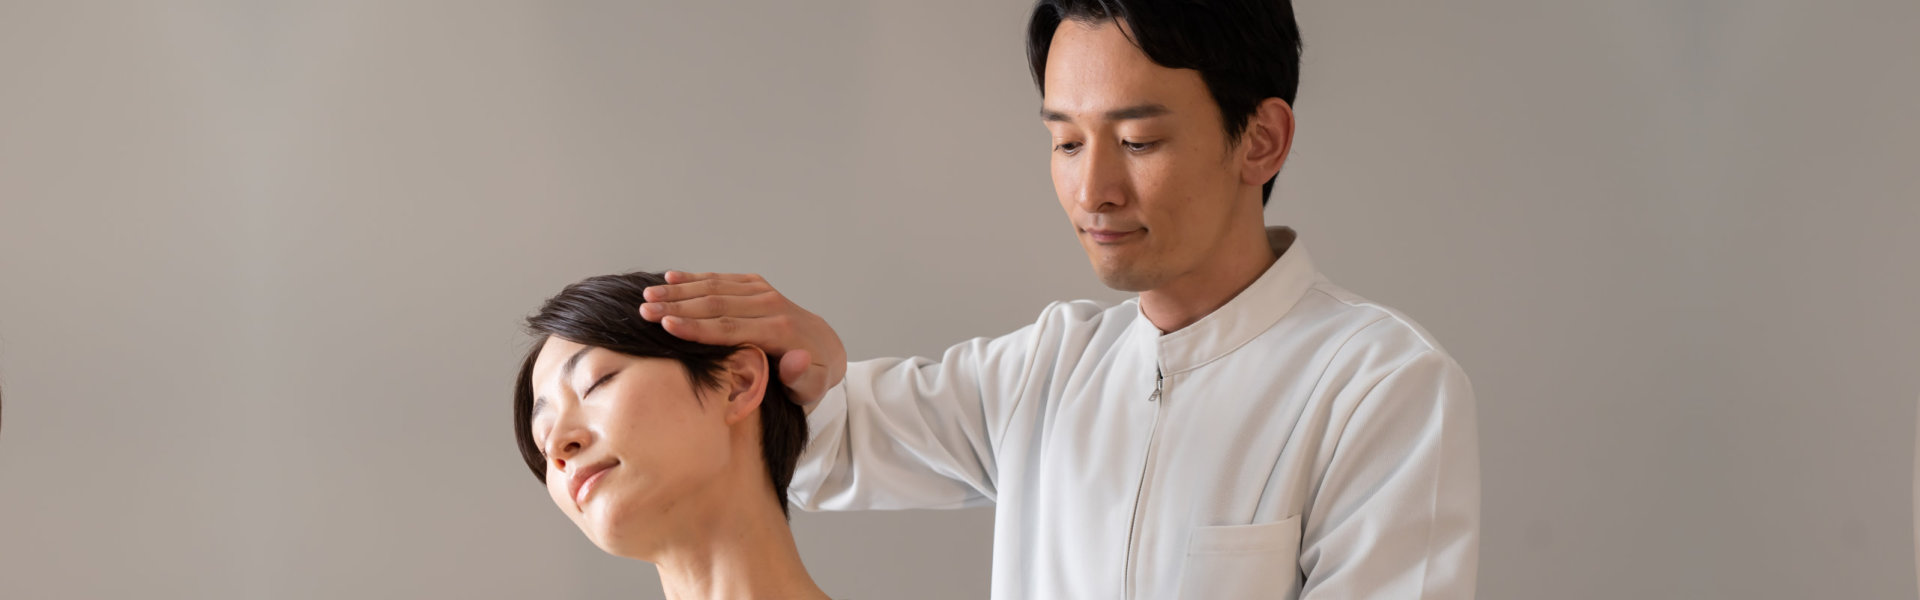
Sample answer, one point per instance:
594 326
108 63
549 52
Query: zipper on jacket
1146 470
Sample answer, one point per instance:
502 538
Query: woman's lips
586 486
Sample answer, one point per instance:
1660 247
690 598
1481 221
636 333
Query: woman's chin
620 533
623 544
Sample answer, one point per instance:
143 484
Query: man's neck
1236 265
744 550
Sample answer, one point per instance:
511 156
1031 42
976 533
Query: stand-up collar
1244 317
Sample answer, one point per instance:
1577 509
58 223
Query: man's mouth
1114 236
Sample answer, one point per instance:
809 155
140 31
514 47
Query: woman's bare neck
737 546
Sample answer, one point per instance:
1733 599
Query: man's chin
1123 279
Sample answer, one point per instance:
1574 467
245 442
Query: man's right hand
729 309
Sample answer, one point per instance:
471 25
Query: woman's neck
744 551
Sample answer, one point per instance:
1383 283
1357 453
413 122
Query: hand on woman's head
625 423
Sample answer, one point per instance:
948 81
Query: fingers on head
693 288
686 277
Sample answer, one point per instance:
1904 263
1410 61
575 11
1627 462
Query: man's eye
1137 146
1067 148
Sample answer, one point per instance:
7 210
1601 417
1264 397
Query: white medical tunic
1298 442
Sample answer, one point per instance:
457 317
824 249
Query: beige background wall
261 267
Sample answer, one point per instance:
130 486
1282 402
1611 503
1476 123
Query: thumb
806 379
794 365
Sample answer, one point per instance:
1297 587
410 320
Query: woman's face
626 440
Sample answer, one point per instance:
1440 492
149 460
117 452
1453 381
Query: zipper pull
1158 380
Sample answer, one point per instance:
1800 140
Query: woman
660 449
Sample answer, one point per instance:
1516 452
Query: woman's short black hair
1246 50
604 312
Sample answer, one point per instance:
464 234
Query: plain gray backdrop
263 265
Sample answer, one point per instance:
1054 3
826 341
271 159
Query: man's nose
1102 179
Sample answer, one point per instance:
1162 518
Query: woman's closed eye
596 383
540 441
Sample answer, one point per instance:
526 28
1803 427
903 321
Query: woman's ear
1268 140
746 376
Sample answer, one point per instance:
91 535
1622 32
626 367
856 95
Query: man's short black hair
604 312
1246 50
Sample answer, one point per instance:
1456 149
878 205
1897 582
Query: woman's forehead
556 353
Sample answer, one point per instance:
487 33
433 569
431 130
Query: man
1243 428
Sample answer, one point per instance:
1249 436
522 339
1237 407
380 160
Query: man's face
1140 160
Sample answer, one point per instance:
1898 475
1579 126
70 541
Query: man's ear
1268 139
745 376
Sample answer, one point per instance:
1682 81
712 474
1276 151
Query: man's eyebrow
1142 111
566 372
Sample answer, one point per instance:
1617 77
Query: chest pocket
1243 561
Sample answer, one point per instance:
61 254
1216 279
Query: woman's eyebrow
566 373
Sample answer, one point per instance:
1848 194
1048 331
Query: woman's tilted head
635 431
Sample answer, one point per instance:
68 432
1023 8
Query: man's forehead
1093 69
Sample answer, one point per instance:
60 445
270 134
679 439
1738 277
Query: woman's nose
566 444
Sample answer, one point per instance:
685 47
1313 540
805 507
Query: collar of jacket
1243 318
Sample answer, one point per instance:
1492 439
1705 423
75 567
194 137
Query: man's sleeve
1397 511
915 433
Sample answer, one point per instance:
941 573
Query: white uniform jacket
1299 442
